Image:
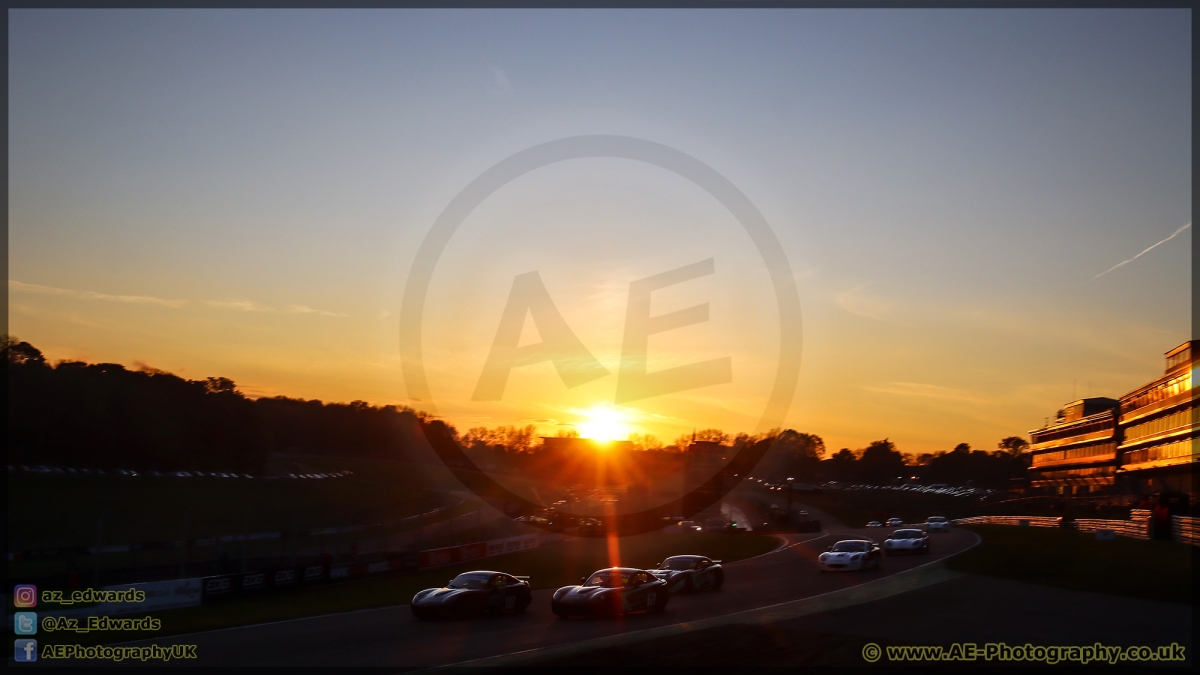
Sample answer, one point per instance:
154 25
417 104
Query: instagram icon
25 595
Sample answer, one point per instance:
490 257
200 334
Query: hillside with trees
105 416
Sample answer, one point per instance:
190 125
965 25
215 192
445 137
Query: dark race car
472 594
685 573
612 592
850 554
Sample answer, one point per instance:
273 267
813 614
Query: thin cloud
301 309
242 305
923 390
92 295
854 301
251 306
501 79
1126 262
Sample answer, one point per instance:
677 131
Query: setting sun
604 424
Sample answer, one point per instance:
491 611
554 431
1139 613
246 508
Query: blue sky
242 193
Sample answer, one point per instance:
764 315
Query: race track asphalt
392 637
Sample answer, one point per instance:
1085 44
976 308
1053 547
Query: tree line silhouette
103 415
794 454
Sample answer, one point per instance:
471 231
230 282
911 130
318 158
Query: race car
874 523
937 524
850 554
895 522
615 591
906 541
685 573
472 594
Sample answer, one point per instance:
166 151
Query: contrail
1126 262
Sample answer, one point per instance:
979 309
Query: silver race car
906 541
615 591
851 554
685 573
937 524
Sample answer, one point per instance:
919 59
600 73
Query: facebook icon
25 651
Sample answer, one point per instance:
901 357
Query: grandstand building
1159 430
1077 452
1142 443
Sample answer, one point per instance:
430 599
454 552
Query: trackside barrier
188 592
431 529
512 544
222 586
1025 521
1137 527
441 557
1124 528
1186 529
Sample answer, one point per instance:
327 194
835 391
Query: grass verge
1154 570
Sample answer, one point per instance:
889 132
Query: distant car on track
937 524
471 594
685 573
615 591
907 541
850 554
895 522
874 523
591 526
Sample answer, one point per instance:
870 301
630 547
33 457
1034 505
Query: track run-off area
776 584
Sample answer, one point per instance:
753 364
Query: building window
1165 451
1171 387
1178 420
1091 428
1075 453
1092 471
1181 357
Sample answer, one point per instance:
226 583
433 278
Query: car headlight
856 556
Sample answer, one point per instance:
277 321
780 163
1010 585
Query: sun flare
604 424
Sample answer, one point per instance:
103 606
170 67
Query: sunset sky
243 193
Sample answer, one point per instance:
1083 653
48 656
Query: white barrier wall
158 595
